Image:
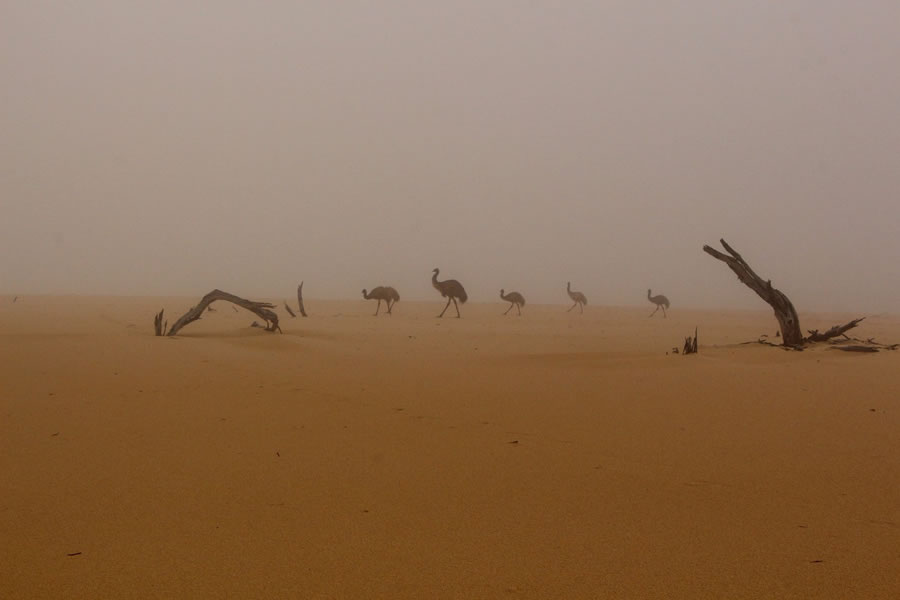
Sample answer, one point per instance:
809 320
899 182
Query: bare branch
261 309
300 298
815 336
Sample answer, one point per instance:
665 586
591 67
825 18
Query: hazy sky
173 147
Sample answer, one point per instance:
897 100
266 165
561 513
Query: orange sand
548 456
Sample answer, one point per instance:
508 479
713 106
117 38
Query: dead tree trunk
784 310
261 309
300 298
288 308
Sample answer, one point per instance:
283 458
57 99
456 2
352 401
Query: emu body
450 289
660 301
383 292
515 299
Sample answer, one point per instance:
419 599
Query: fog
174 147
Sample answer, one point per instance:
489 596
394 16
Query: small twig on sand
765 342
855 348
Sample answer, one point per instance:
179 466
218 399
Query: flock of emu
788 321
453 290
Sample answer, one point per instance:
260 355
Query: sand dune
551 455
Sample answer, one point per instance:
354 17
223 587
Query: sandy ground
549 456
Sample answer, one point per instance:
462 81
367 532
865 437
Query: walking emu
450 289
577 297
660 302
515 299
386 293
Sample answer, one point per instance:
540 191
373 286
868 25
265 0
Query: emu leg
455 305
510 308
378 307
571 307
519 309
445 308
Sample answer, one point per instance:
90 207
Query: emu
386 293
515 299
450 289
660 302
577 297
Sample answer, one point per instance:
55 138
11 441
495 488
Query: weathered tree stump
288 308
261 309
158 325
690 344
784 310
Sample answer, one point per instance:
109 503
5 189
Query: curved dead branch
260 309
300 298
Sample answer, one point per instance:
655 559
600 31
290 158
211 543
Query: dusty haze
175 147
